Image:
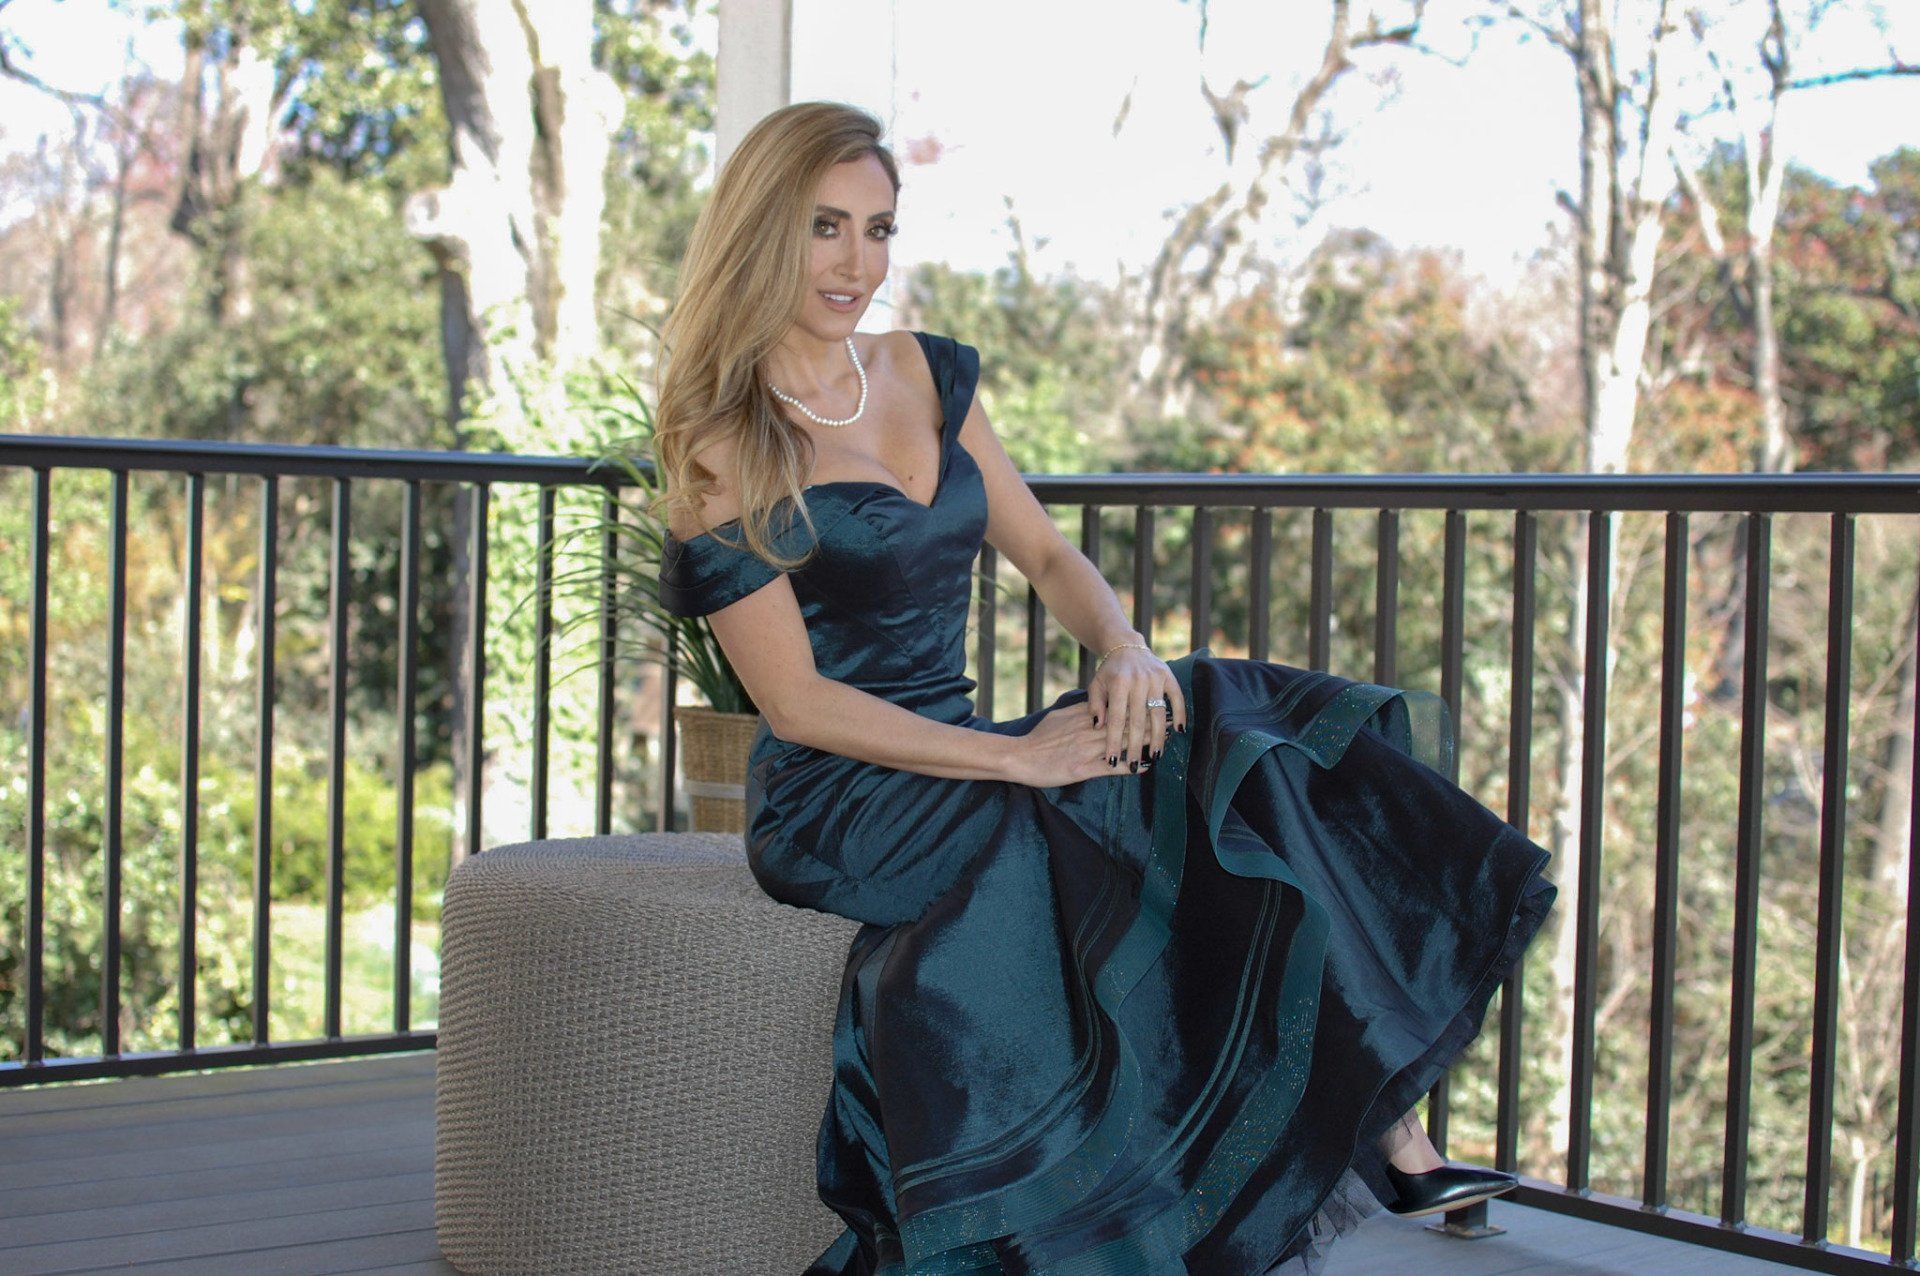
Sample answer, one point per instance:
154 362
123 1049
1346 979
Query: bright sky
1022 97
1468 156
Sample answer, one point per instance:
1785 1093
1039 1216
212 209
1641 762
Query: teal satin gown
1143 1023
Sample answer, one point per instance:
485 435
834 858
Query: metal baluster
409 639
1260 585
1666 868
1526 544
1320 624
1746 889
190 762
36 919
1386 603
1143 572
1593 769
1090 546
609 650
542 661
1833 858
337 750
116 767
268 601
1200 591
477 668
1452 658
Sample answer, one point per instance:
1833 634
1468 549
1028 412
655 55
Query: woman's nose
854 260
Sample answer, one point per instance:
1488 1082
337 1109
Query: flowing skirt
1160 1023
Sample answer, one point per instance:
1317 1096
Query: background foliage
305 311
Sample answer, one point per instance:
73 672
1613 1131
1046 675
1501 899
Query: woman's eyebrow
841 212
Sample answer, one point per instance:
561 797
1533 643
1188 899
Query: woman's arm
841 718
765 638
1077 595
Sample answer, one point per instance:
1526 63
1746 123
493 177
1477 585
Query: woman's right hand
1065 747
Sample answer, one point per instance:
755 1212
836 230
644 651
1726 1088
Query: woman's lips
842 306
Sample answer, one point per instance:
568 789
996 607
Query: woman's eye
823 226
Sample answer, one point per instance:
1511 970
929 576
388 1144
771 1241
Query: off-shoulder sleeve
704 574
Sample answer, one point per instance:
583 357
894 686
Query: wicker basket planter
713 762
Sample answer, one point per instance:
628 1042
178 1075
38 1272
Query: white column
753 71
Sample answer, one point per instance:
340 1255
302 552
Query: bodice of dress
885 594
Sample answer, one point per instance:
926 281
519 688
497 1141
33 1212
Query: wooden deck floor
328 1167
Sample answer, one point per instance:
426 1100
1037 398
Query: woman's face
852 223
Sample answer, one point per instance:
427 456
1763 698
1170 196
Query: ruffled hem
1349 1203
965 1235
1362 1189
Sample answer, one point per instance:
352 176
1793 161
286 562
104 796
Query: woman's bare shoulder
907 363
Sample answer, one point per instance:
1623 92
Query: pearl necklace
784 397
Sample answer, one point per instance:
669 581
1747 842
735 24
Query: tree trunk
1619 218
230 120
1776 443
516 231
124 159
1766 178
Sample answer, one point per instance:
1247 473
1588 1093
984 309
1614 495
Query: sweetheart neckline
939 489
939 481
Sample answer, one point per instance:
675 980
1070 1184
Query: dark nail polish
1112 760
1096 719
1133 766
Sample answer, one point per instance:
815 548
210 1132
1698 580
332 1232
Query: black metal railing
1200 506
474 475
1756 499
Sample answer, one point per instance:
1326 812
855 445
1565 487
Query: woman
1147 980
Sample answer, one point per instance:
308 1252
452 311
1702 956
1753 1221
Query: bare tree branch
1896 67
12 53
1210 237
1230 112
11 68
1126 107
1563 38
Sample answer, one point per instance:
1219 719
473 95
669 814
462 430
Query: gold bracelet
1116 647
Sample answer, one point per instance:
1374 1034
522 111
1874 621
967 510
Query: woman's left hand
1117 698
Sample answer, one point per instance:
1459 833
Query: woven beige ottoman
635 1050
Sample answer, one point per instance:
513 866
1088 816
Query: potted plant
714 737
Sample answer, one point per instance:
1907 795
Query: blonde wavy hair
742 283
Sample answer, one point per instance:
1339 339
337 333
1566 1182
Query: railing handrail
1810 492
189 456
1825 492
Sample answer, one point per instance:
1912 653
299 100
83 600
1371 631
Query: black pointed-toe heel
1445 1187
